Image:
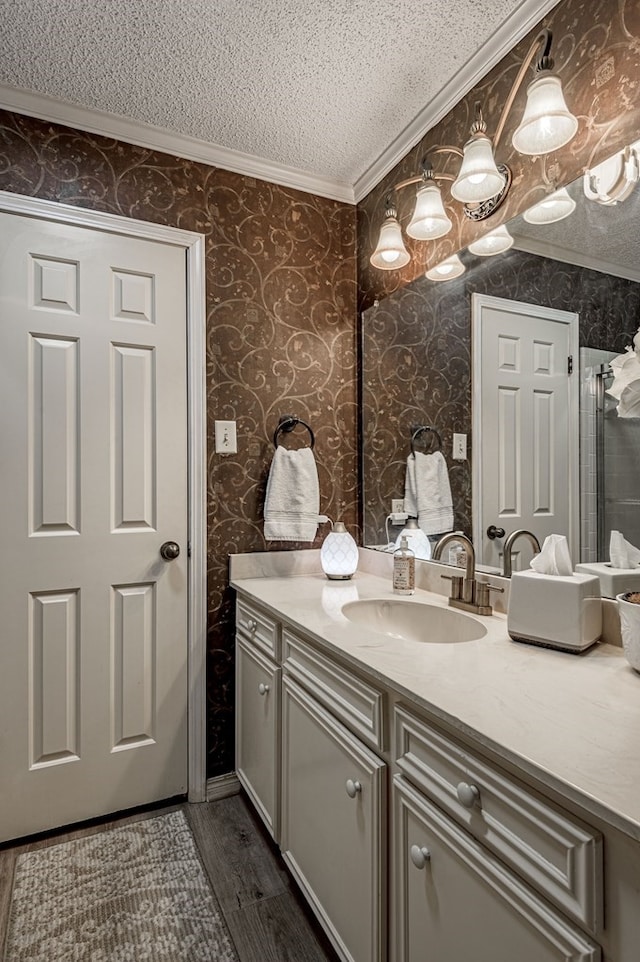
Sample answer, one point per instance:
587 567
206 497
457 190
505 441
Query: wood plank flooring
268 919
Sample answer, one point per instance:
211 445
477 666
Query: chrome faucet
507 551
466 593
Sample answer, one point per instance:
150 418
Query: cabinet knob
468 795
353 788
251 624
263 689
420 855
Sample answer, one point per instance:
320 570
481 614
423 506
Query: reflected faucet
507 551
470 569
466 593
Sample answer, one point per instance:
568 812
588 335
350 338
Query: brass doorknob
169 550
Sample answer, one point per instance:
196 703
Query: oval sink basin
414 621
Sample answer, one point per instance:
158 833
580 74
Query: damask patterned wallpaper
417 352
596 48
280 279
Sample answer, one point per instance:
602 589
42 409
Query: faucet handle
482 592
456 585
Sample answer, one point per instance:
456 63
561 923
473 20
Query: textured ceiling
322 86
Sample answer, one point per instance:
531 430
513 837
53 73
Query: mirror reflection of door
525 426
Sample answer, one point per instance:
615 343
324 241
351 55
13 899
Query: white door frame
193 245
478 303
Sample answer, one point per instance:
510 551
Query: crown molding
135 132
517 26
591 262
99 122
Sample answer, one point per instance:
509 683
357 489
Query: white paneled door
525 441
93 474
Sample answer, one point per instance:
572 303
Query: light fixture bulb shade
478 178
547 123
417 540
446 270
390 253
339 554
495 242
553 208
430 220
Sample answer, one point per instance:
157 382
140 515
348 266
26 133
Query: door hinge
188 549
570 364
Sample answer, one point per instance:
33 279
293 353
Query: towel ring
420 430
287 423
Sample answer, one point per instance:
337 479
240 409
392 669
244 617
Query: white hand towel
427 492
621 553
292 501
554 558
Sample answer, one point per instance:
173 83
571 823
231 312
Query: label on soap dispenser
404 574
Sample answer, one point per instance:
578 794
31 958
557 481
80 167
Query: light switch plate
459 447
225 437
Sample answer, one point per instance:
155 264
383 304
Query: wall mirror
419 367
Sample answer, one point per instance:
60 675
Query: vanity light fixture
495 242
430 220
480 185
613 180
390 254
446 270
554 207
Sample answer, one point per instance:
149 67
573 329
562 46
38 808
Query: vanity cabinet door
334 824
258 730
453 900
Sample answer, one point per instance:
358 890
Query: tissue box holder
555 611
613 581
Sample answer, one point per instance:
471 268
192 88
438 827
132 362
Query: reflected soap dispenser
404 569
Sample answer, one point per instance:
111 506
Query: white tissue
626 380
554 558
621 553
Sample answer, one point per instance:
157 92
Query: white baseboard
222 787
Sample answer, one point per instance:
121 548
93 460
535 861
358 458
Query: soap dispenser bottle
404 569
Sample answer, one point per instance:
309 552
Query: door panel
93 653
333 838
525 434
453 900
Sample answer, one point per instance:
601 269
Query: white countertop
570 721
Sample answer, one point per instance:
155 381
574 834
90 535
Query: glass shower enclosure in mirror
417 369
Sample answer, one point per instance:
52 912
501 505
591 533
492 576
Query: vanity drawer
556 852
353 701
258 627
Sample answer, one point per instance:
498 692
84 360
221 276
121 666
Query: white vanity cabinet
258 711
483 867
454 900
334 791
411 840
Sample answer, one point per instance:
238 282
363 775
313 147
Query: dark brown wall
280 279
596 48
281 276
417 348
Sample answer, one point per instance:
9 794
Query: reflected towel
292 501
427 492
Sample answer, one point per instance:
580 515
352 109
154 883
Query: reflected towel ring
287 423
417 431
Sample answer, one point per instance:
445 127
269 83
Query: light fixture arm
427 171
545 62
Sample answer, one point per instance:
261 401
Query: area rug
135 893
